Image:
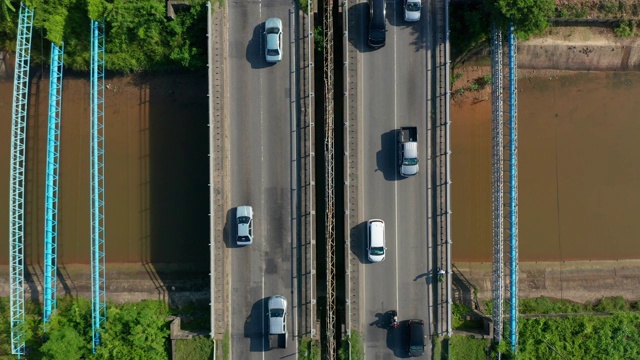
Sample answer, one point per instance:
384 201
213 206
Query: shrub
625 28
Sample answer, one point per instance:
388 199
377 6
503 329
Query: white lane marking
395 126
360 129
262 167
262 315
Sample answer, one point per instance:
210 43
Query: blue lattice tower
511 195
98 294
497 182
16 199
51 182
505 191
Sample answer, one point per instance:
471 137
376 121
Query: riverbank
578 281
558 51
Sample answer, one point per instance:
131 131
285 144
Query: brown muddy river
578 159
156 170
579 170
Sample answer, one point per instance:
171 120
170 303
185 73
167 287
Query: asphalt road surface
261 133
393 93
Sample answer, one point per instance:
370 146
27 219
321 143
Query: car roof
244 210
273 22
417 331
378 13
376 232
277 302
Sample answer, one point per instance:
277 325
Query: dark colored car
416 337
377 24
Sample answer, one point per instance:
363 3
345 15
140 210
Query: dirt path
560 50
578 281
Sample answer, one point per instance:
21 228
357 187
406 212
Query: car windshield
416 347
273 52
410 162
243 239
413 7
377 35
277 312
272 30
377 251
243 220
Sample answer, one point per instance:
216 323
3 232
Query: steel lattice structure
330 347
511 195
98 293
51 184
505 191
16 198
497 181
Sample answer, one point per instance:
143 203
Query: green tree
65 343
135 331
529 17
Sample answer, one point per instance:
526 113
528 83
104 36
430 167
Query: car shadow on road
397 340
359 242
228 233
255 49
256 327
387 156
358 25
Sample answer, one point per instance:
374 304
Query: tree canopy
529 17
139 36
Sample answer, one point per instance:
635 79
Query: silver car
244 220
277 315
412 10
273 40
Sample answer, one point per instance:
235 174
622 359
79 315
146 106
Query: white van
376 245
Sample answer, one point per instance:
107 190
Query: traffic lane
414 277
394 90
251 289
247 300
379 174
278 89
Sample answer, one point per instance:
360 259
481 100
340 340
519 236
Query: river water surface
156 170
579 170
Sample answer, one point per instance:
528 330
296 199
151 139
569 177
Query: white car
273 40
244 220
277 315
412 10
376 243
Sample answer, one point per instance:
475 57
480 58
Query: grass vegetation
303 5
622 9
467 348
352 347
544 305
308 349
581 337
226 346
195 348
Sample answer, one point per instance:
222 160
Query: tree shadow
395 16
387 156
256 327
